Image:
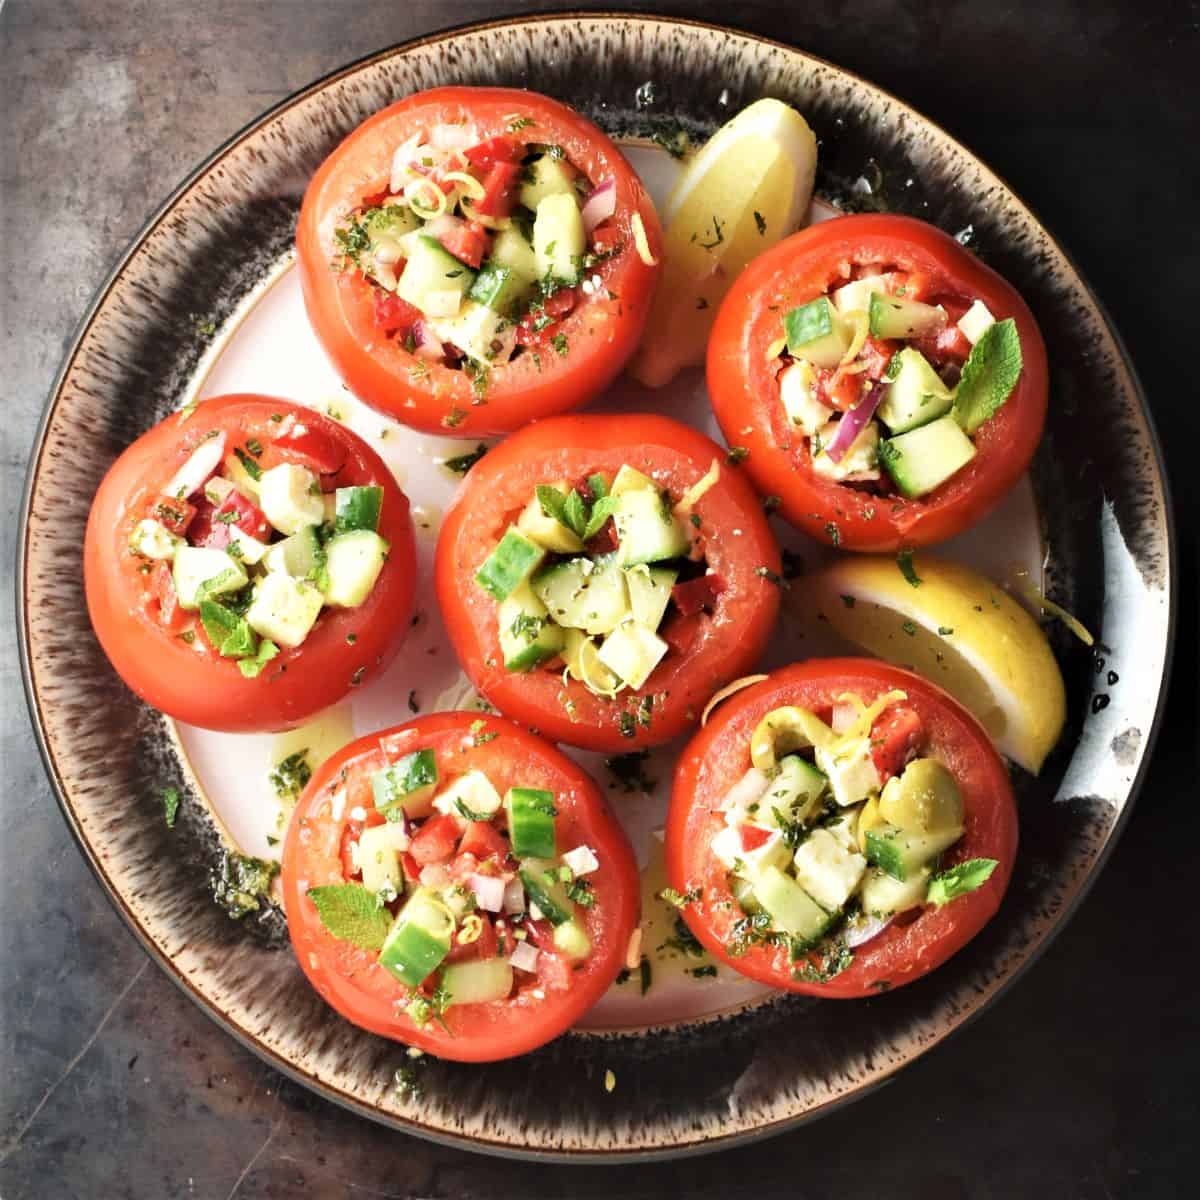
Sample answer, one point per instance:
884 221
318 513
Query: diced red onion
194 473
844 716
514 896
871 927
453 137
600 205
489 891
524 957
427 343
855 421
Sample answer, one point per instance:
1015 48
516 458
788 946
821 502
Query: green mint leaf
553 503
601 511
351 914
170 802
575 512
250 667
960 880
989 375
462 463
599 486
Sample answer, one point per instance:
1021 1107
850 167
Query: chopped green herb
240 883
771 504
251 667
772 577
848 600
644 974
706 972
559 342
760 222
478 736
454 418
909 628
717 238
945 630
291 775
581 892
833 533
837 958
252 468
519 123
413 705
989 375
960 879
628 725
678 899
170 803
462 463
904 560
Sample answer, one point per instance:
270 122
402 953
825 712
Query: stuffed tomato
840 828
458 884
888 387
601 576
475 258
247 563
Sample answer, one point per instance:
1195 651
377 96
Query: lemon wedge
749 187
958 629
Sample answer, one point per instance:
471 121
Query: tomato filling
594 578
251 541
478 248
884 379
837 829
477 901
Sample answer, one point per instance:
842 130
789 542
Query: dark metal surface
1074 1084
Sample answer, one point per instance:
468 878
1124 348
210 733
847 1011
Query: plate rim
329 1091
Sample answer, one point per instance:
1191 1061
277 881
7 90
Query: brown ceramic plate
156 329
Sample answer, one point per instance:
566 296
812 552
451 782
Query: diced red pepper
242 513
484 946
484 841
175 515
204 530
540 933
494 150
500 187
393 315
680 632
606 238
435 840
696 595
947 345
604 540
410 867
753 836
467 241
170 615
895 739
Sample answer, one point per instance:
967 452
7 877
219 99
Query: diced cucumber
152 539
202 567
629 480
471 796
245 548
647 529
817 333
546 176
546 890
419 939
798 391
357 508
531 822
583 662
743 893
856 295
513 560
892 317
546 530
827 870
353 562
391 223
882 895
407 785
900 854
290 497
558 237
429 270
297 555
795 794
528 637
649 593
478 982
571 940
500 288
582 594
284 609
512 251
916 394
922 459
475 329
378 861
791 908
632 653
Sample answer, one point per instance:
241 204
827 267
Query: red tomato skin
186 680
719 754
351 980
744 392
726 644
601 334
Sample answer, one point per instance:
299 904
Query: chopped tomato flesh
484 946
311 447
242 513
175 515
680 632
484 841
606 239
394 315
435 840
467 241
162 582
500 187
494 150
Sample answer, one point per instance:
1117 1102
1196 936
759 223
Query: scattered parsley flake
760 222
170 803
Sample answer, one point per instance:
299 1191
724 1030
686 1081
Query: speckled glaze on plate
709 1084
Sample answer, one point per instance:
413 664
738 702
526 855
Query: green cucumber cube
531 816
649 593
892 317
900 854
647 530
431 270
792 910
922 459
480 982
571 940
916 395
882 895
546 176
297 555
201 571
353 562
540 880
500 288
357 508
407 785
284 609
512 251
632 653
513 560
558 237
582 594
378 860
290 497
816 333
528 637
546 530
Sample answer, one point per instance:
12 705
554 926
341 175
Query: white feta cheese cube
976 321
476 793
730 848
152 539
850 770
827 870
749 790
290 497
798 391
582 860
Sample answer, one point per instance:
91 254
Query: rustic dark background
1081 1082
